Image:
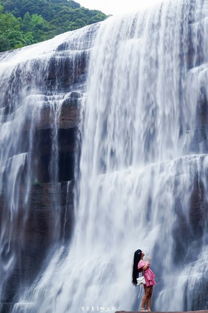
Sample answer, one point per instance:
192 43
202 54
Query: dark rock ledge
200 311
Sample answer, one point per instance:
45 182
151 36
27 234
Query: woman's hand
146 266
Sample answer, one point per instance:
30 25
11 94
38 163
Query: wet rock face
35 234
65 154
65 136
39 120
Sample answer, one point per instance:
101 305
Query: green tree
24 22
10 31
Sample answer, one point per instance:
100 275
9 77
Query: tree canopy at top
24 22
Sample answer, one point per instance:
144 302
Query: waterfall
143 168
141 176
41 89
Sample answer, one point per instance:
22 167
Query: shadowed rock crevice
39 115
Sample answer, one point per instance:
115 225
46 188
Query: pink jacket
149 275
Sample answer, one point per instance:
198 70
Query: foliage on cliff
24 22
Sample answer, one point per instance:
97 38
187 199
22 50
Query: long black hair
137 258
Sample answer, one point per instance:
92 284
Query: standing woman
140 265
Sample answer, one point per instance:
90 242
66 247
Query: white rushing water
37 82
143 168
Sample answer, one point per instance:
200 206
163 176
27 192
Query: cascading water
41 88
142 179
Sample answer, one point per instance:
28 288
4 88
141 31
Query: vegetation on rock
24 22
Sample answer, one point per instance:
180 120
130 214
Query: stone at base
200 311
